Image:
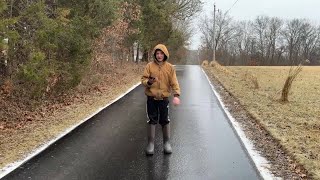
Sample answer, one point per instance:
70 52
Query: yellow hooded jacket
166 74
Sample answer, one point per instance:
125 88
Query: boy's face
159 55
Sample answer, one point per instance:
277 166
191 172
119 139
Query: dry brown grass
214 64
253 79
205 63
18 141
219 67
295 124
293 73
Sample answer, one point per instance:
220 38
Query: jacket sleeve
145 76
174 83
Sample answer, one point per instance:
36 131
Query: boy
159 78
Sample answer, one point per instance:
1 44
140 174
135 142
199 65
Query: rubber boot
151 135
166 139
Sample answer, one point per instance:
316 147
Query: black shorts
158 111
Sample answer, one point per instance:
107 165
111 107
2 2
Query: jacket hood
163 48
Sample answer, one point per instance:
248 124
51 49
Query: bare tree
241 42
185 9
309 40
265 41
293 34
260 27
273 35
224 31
206 28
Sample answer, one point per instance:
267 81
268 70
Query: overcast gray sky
250 9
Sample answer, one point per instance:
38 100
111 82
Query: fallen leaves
22 128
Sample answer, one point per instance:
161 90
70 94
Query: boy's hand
152 80
176 101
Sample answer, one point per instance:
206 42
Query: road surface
111 144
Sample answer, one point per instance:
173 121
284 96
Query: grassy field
295 124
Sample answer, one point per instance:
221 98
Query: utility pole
214 32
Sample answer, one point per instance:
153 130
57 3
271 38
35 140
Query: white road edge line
259 161
12 166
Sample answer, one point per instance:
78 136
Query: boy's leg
166 139
164 112
151 135
152 112
165 123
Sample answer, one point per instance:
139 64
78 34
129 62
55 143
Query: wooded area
48 46
264 41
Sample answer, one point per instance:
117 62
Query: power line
232 6
214 26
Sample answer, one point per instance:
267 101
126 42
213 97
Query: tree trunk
132 53
138 54
145 56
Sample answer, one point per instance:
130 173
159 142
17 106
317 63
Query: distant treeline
264 41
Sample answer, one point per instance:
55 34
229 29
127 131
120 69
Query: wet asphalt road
111 144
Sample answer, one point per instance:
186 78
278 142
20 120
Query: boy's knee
165 122
152 122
